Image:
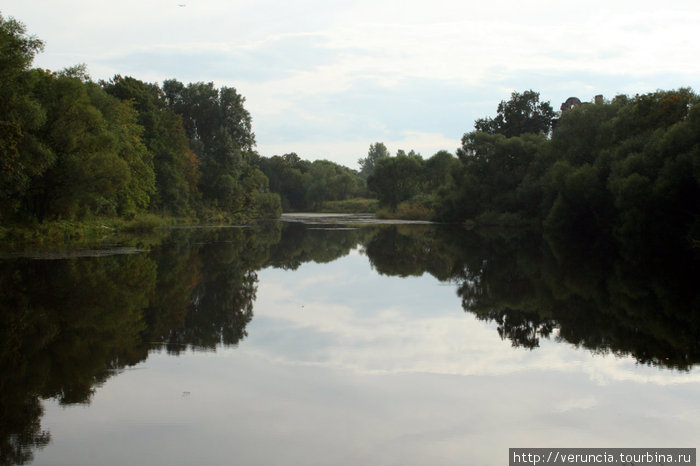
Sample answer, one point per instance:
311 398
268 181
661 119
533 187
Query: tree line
406 185
305 185
627 168
71 148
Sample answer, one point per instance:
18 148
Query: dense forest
72 148
628 168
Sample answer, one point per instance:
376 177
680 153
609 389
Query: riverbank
73 232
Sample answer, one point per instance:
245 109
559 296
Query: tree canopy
627 168
72 148
376 152
523 113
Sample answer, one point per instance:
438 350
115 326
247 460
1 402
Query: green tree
289 178
523 113
22 153
304 185
488 179
396 179
376 152
122 123
88 173
329 181
655 171
627 168
101 165
437 170
176 167
220 133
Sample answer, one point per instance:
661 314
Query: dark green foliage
100 166
305 186
73 149
491 176
330 182
437 169
628 168
396 179
636 174
69 149
176 166
22 153
406 185
220 132
523 113
289 178
376 152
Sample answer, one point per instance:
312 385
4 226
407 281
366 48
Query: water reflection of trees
206 286
66 326
634 301
318 243
410 250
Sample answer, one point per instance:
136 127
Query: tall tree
523 113
220 133
437 170
176 166
22 155
396 179
101 165
288 176
376 152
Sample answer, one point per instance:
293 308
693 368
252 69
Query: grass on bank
407 211
58 233
351 206
61 232
419 207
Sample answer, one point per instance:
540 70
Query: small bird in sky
181 5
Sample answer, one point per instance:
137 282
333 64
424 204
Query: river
336 340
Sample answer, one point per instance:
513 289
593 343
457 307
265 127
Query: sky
326 79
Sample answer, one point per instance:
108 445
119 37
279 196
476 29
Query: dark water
333 342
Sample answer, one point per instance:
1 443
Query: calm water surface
338 343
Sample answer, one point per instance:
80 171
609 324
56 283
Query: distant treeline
71 148
305 186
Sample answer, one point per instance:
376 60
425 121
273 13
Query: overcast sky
327 78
